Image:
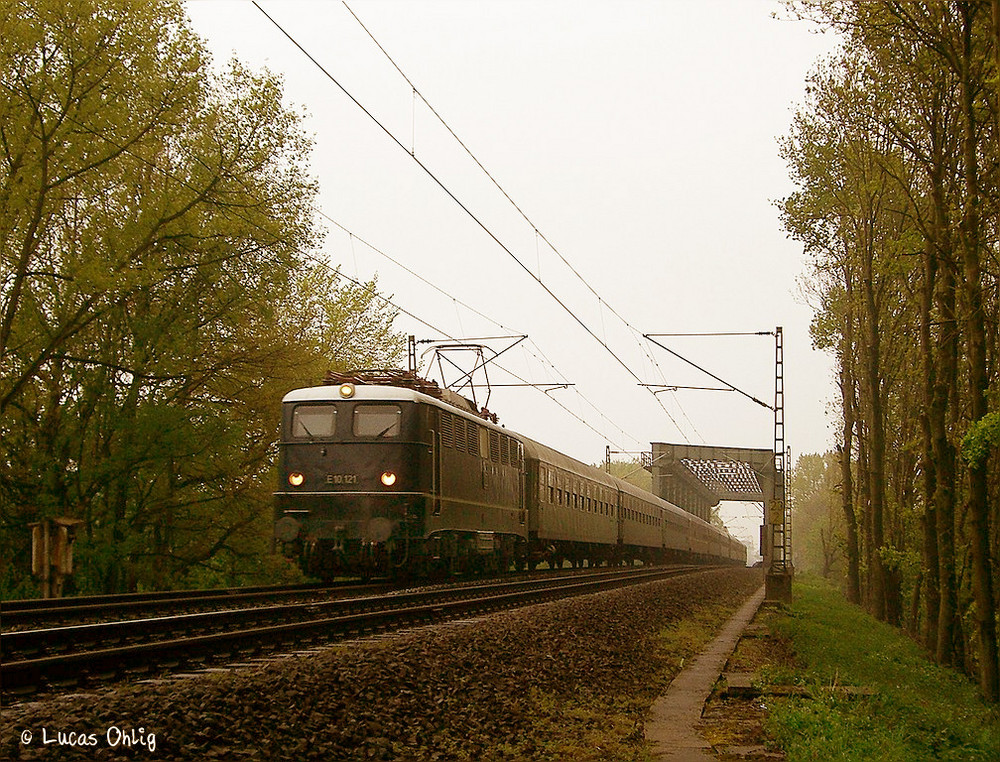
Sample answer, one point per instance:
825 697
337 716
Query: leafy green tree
817 521
159 294
852 216
632 472
927 73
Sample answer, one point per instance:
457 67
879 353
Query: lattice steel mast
777 517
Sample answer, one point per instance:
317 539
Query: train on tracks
386 473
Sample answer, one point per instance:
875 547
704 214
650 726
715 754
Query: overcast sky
639 138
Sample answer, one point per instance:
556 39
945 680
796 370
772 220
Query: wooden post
40 554
52 553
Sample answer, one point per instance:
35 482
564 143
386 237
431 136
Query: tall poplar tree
931 73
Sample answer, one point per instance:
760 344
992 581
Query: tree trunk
863 505
872 393
978 501
944 458
938 352
845 451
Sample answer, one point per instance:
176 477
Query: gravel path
542 682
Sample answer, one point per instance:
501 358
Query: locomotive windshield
377 420
310 421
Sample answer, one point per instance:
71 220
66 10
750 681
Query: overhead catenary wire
710 374
715 333
538 233
486 172
338 272
447 190
469 212
543 358
602 302
538 354
446 334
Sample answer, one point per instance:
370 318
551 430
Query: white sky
639 137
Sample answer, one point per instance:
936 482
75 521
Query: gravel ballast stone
509 685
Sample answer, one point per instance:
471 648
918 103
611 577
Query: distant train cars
387 474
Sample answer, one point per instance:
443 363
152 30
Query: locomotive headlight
347 391
388 478
296 479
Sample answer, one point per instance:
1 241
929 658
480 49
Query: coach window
377 420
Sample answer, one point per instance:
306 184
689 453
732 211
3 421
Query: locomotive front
355 468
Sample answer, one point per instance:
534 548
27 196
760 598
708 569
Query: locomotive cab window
311 421
379 421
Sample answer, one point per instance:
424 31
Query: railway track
39 611
65 658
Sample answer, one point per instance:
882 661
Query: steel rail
25 675
183 599
29 604
39 611
68 639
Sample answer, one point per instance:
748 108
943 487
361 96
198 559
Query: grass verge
597 726
918 711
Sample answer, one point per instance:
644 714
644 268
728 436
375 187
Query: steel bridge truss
698 477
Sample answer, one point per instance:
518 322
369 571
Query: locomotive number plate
341 479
